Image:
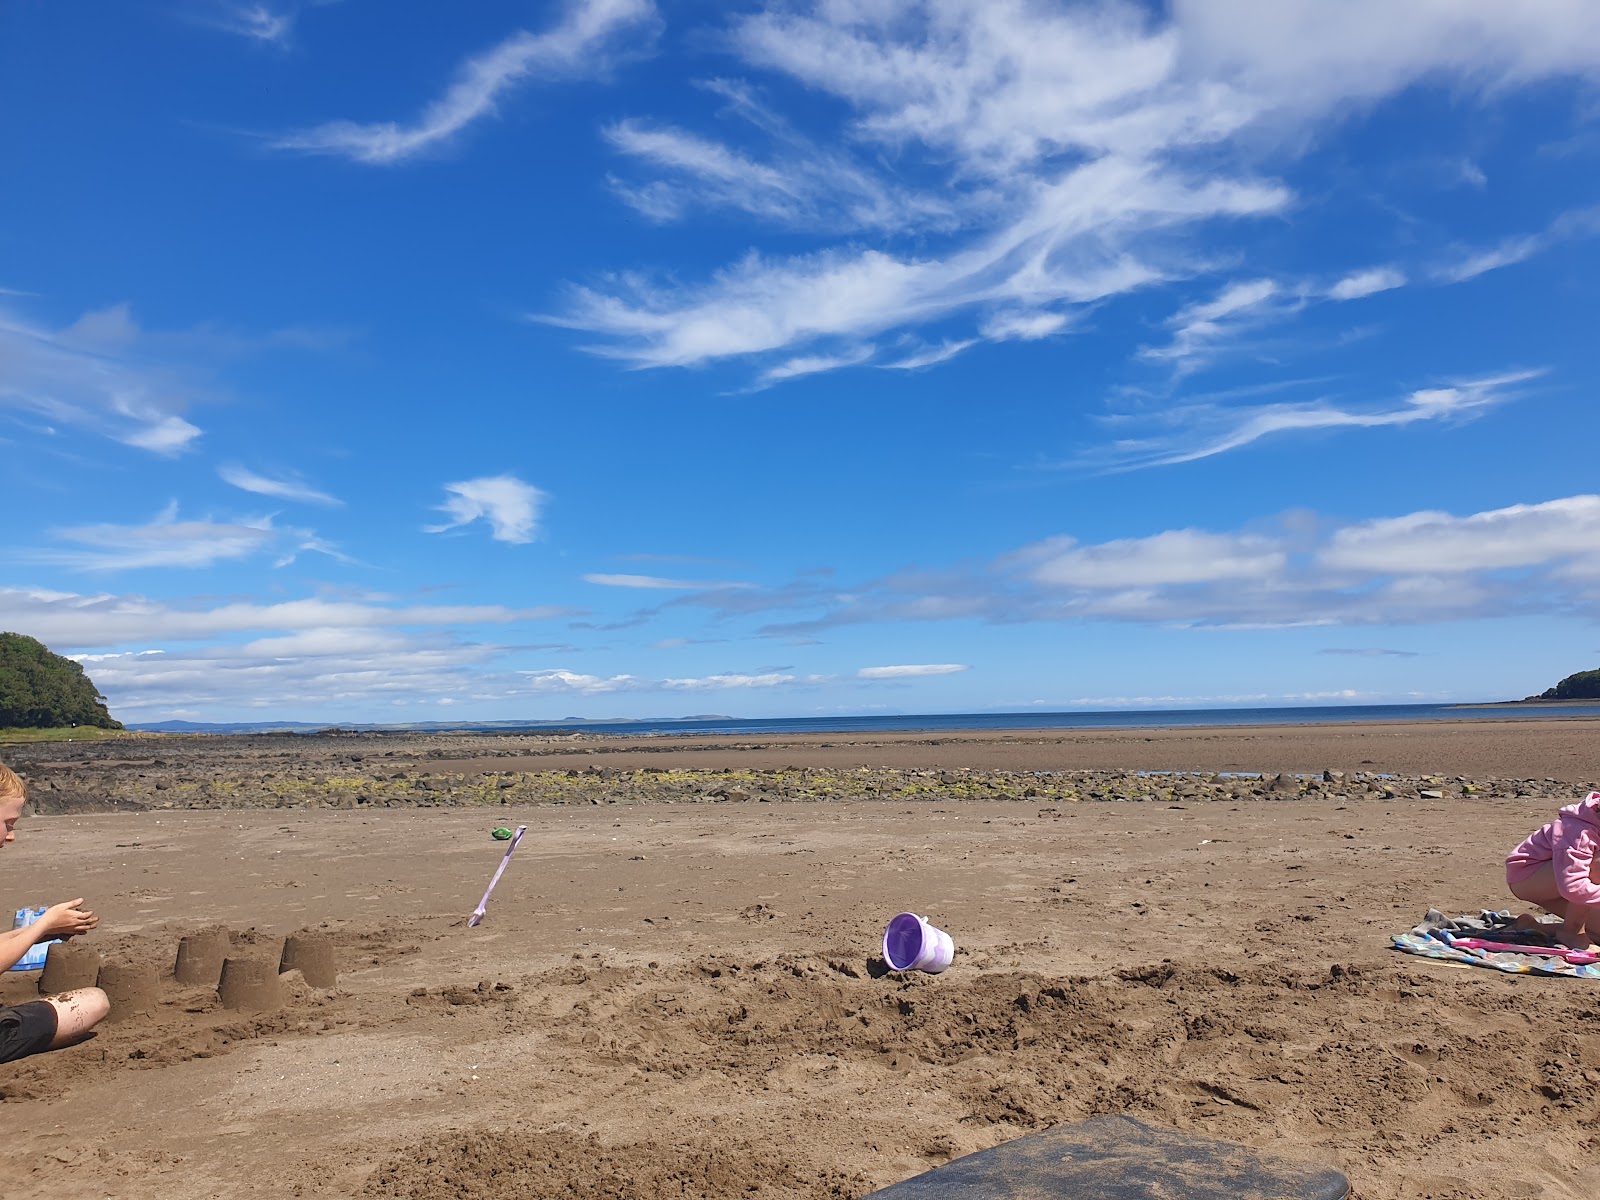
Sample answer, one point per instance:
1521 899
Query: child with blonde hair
55 1021
1557 867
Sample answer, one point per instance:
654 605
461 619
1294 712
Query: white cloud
167 435
914 671
167 541
1078 151
657 583
731 682
309 658
572 682
75 622
316 672
1563 532
289 488
1023 326
1310 55
1367 283
92 375
1420 568
1203 430
582 45
509 505
1176 556
259 22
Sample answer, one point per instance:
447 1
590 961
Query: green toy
502 834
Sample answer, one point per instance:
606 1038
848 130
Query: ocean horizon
1325 714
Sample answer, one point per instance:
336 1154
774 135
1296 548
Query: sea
1126 719
1174 718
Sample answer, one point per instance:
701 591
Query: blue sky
395 361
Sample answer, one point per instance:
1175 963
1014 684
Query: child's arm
59 921
1574 862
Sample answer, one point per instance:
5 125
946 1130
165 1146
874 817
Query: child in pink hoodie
1558 868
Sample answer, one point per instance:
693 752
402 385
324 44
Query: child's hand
64 921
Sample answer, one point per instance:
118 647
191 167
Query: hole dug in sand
491 1164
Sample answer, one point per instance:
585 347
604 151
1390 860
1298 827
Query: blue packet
33 960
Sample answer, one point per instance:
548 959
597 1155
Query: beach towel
1490 939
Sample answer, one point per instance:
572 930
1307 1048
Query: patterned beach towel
1463 939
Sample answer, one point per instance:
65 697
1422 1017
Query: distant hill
1585 685
42 690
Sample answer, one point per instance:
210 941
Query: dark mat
1119 1158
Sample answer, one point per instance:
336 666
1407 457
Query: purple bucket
911 944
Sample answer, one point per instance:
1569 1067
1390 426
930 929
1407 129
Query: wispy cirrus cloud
812 364
1469 263
169 541
792 180
584 43
1047 255
1079 152
96 375
510 506
1201 331
1189 432
289 487
259 22
108 375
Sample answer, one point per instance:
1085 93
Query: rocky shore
355 771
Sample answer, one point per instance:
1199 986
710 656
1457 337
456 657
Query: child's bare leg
1580 928
1532 922
77 1012
1539 888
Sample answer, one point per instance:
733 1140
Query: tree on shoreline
1585 685
41 690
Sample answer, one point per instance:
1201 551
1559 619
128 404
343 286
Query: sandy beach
676 990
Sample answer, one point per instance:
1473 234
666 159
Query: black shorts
26 1029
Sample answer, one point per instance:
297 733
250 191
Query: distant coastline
1530 702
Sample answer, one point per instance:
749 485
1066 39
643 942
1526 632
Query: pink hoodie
1570 844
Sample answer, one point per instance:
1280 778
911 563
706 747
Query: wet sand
682 999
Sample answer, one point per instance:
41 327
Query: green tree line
41 690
